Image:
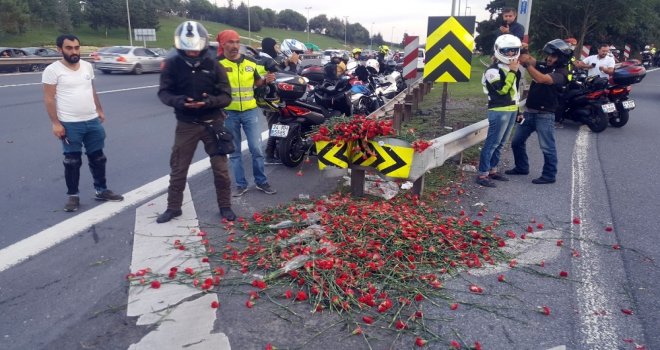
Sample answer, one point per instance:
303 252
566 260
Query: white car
421 58
327 54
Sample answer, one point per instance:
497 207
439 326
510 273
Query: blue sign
523 7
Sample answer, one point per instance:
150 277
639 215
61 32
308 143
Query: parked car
10 52
421 58
159 50
130 59
42 51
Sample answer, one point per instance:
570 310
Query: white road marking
598 332
180 324
127 89
37 243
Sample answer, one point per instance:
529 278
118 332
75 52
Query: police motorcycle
647 57
618 92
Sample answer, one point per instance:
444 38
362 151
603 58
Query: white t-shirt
607 62
74 95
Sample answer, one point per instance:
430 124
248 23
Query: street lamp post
308 8
371 35
249 25
128 16
345 29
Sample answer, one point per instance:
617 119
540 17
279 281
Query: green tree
14 17
103 15
291 20
144 14
318 23
199 9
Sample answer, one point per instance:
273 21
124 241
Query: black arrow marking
448 67
340 153
399 163
323 152
450 39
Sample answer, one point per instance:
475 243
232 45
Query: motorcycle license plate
628 104
279 130
608 108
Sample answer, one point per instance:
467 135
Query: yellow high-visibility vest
241 76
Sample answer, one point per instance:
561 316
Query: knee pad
97 157
72 159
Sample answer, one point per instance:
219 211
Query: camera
593 65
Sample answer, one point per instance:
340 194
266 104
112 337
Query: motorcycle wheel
619 118
291 150
362 106
597 121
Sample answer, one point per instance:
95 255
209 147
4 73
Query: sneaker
227 213
168 215
272 161
72 204
108 196
498 177
516 171
266 188
239 191
543 181
486 182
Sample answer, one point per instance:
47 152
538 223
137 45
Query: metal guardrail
441 149
35 60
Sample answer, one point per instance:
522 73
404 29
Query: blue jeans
249 120
500 124
89 133
543 124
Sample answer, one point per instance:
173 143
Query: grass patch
44 35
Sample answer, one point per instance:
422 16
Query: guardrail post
415 99
419 91
357 182
397 116
407 111
418 186
428 86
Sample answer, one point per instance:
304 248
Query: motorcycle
583 102
647 59
618 92
296 119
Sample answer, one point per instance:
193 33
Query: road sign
390 160
410 54
144 35
449 46
330 153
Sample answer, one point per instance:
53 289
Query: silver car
132 59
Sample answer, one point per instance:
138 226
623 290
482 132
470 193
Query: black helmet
560 49
267 97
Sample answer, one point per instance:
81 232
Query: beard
73 59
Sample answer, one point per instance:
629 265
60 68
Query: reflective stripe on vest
241 79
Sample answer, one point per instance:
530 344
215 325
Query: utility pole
345 29
249 26
371 35
128 16
308 8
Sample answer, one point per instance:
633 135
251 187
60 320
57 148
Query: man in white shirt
601 64
76 115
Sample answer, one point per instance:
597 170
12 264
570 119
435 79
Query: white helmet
191 36
373 63
289 46
647 47
506 44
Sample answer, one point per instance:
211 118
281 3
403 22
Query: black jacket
544 97
180 80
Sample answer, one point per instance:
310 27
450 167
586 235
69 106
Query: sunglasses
508 50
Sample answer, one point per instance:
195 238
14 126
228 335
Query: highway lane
139 135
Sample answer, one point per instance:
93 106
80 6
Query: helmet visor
509 51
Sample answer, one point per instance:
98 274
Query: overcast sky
390 20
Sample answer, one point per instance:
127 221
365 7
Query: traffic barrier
585 51
626 51
410 53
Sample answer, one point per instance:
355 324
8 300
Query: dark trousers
186 138
271 118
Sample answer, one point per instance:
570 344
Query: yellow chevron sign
332 154
390 160
449 45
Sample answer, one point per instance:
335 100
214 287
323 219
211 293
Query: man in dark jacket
548 79
510 25
198 88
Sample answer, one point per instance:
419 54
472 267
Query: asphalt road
74 296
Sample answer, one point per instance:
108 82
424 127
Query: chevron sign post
449 46
626 51
410 53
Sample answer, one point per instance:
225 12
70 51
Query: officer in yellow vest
243 74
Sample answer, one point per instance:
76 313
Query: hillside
44 35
